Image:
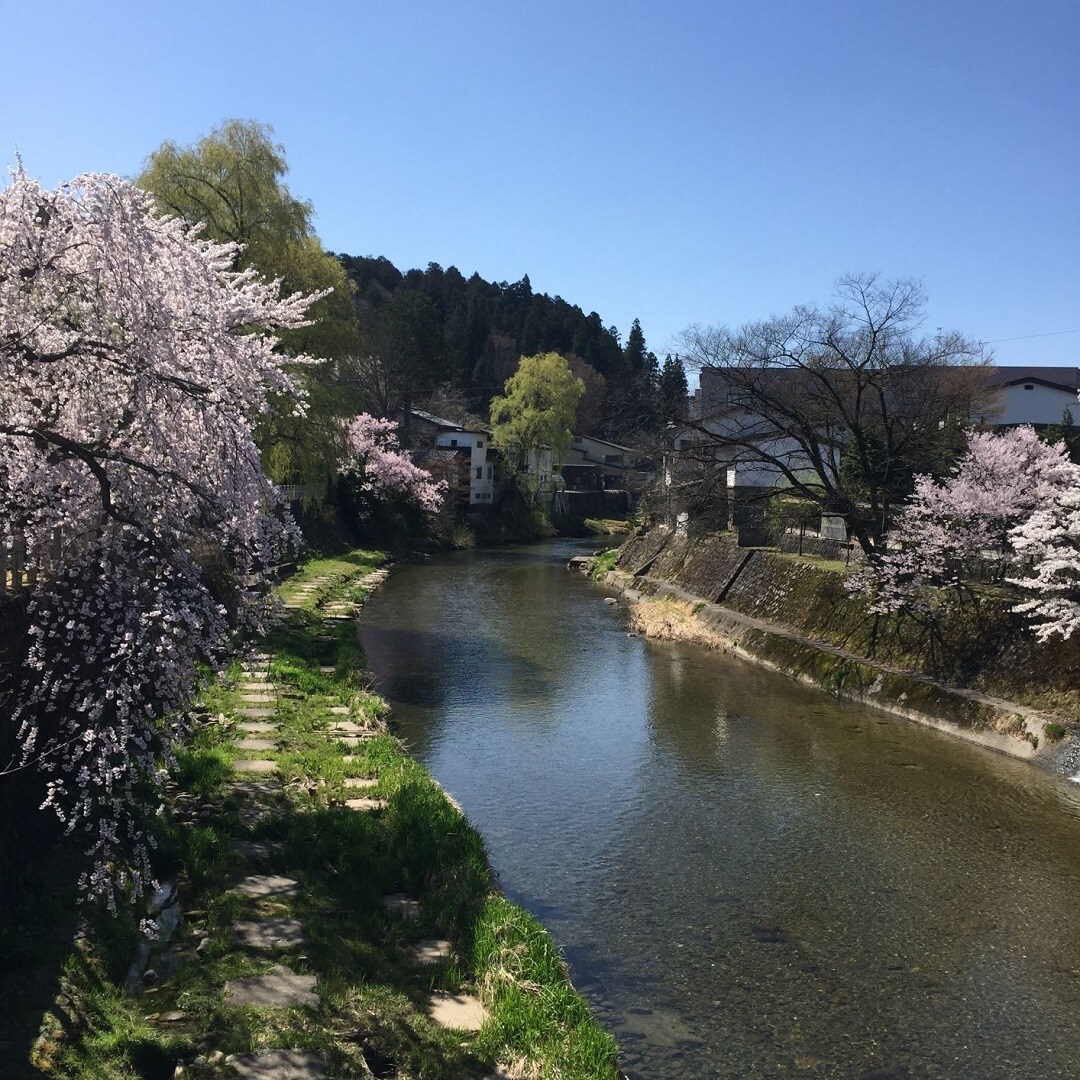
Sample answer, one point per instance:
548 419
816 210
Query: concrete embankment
972 670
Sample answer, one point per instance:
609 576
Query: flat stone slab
366 804
338 710
346 727
278 988
257 699
401 904
272 934
355 740
431 951
360 783
255 744
256 712
254 765
460 1011
257 727
260 886
255 674
259 851
255 687
278 1064
327 669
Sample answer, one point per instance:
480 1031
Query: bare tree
841 405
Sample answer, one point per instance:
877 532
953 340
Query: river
748 878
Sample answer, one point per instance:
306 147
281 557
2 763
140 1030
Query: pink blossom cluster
133 362
1012 498
374 454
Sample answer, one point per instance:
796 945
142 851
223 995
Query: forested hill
433 334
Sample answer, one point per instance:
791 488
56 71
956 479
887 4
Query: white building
1034 395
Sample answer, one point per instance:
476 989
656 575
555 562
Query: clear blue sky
685 162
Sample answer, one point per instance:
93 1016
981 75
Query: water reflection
749 878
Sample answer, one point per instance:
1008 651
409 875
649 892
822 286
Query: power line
1028 337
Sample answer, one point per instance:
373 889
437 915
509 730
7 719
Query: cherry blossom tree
1050 542
375 457
1002 482
134 361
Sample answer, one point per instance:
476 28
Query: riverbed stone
284 933
264 886
431 951
402 905
256 766
277 1064
279 988
462 1012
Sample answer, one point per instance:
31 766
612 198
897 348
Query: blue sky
682 163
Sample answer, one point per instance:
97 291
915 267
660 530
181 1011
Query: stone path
267 925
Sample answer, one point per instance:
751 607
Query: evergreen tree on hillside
484 328
673 391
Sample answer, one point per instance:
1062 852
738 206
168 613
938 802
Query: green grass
604 563
374 999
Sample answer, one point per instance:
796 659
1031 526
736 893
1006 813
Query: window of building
480 444
1029 386
453 442
491 471
479 473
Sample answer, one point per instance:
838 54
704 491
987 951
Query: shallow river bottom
748 878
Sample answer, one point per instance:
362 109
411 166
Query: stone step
269 934
279 988
257 699
257 851
401 904
256 687
338 710
263 886
254 711
431 951
366 804
344 727
255 744
360 783
255 766
277 1065
462 1012
255 727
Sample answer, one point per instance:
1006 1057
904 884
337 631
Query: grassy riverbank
402 840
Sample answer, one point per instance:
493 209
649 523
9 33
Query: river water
748 878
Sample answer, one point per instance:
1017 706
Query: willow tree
231 184
536 412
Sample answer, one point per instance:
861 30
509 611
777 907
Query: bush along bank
328 911
970 668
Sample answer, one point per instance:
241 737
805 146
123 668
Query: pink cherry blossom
1008 500
375 456
133 363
